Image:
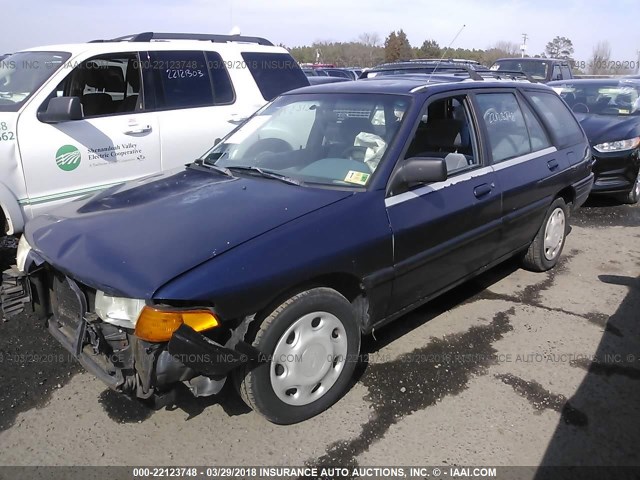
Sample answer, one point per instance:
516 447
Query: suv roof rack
510 74
148 36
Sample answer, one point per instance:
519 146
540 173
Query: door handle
134 129
236 121
482 190
552 164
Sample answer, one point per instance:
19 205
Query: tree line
369 50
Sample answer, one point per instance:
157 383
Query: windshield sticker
68 158
112 154
6 135
357 177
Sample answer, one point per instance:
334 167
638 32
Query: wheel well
568 195
346 284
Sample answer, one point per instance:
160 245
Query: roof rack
437 69
447 60
511 74
474 75
148 36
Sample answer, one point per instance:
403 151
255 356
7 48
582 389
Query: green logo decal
68 158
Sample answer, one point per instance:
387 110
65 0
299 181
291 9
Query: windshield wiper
201 163
267 174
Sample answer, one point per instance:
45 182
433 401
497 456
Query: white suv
78 118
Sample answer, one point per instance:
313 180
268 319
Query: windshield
537 69
23 73
615 98
328 139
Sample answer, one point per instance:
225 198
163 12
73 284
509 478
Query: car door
525 164
195 102
444 231
116 140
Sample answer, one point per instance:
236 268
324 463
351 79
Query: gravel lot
513 368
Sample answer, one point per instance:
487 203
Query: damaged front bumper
114 354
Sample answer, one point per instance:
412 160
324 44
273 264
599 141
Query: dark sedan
609 112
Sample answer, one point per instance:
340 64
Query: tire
299 338
633 195
545 249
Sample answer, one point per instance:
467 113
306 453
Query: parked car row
328 213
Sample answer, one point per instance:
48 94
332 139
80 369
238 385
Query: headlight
123 312
618 145
23 250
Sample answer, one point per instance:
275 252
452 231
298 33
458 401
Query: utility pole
523 47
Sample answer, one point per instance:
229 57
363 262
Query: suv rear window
275 73
562 124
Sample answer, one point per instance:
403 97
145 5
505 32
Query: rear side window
274 73
560 122
182 79
506 128
537 135
222 87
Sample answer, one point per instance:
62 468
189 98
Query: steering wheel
354 153
267 147
581 108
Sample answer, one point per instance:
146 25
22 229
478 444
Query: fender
12 211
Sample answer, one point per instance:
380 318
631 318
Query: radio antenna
445 52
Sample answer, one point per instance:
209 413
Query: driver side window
106 85
446 131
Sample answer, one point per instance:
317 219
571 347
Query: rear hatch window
275 73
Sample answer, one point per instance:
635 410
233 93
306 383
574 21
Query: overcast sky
28 23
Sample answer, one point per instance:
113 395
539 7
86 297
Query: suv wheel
311 342
545 250
634 194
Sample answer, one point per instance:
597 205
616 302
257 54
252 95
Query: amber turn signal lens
158 325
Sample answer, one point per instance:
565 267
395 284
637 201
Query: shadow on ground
608 395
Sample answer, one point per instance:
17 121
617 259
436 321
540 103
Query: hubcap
636 187
554 234
308 358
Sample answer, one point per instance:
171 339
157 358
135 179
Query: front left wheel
310 344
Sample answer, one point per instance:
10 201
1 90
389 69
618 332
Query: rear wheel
311 342
544 252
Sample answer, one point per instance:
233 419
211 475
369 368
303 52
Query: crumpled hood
133 238
607 128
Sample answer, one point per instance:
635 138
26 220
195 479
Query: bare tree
600 57
370 39
510 49
500 49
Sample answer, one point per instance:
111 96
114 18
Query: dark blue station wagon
332 211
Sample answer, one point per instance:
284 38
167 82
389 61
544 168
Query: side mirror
418 170
217 141
62 109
